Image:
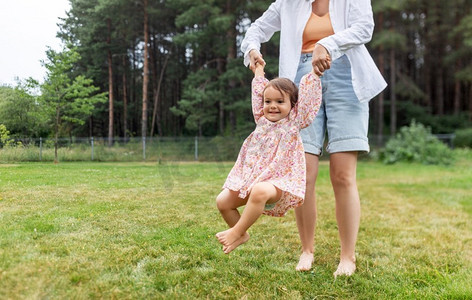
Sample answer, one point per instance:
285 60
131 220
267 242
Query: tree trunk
232 121
470 102
231 38
155 115
145 71
56 134
221 103
457 97
440 91
133 96
125 100
110 87
393 98
380 101
428 62
457 92
427 82
90 126
439 51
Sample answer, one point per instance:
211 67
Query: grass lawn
146 230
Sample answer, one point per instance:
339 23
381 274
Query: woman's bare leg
348 210
306 215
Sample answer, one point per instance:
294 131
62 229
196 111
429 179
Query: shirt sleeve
261 30
309 100
258 85
360 27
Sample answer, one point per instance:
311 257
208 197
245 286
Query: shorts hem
312 149
347 145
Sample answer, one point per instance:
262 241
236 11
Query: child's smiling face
276 104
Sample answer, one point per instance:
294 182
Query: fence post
40 149
196 148
144 148
91 141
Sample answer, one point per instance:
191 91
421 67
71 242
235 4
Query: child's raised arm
258 84
259 71
309 100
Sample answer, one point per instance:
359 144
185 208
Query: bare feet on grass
228 237
244 238
346 267
305 262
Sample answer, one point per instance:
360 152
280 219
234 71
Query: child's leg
228 202
261 194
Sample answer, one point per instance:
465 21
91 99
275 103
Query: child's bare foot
227 237
244 238
346 267
305 262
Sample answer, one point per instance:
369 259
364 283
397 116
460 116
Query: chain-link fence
140 149
123 149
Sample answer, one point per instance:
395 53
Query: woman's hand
321 60
259 70
255 58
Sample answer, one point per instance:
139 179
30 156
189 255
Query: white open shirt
353 25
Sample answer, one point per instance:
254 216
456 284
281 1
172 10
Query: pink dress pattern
274 152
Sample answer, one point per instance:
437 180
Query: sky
27 27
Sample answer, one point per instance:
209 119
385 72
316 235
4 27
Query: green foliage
415 143
390 39
5 136
198 100
388 5
408 90
463 138
466 27
20 111
421 39
5 139
407 110
67 99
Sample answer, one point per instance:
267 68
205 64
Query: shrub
463 138
5 139
415 143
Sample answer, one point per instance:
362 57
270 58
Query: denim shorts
341 115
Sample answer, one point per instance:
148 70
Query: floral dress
274 152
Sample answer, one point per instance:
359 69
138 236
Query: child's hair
285 85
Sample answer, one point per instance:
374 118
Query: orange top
315 29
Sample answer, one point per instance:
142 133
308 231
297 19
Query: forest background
174 68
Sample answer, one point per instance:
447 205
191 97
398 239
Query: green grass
146 230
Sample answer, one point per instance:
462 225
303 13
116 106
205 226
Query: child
269 174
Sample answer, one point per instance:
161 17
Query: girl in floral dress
269 176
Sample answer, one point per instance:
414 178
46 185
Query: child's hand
259 70
315 75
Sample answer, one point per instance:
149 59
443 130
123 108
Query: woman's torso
291 16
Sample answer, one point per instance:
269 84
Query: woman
327 36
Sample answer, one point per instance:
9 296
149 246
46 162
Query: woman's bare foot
244 238
305 262
346 267
227 237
